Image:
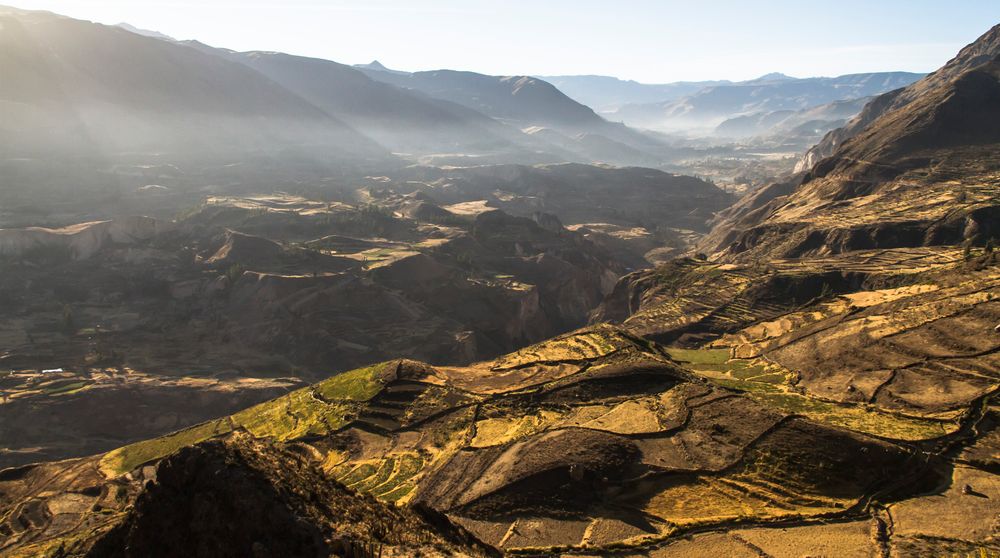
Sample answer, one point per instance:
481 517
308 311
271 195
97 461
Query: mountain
712 105
518 99
522 101
377 66
86 89
801 125
404 120
916 175
978 52
436 128
773 77
606 94
817 375
86 102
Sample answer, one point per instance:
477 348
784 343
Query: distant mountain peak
773 76
377 66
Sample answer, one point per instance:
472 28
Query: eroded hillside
246 297
922 171
594 440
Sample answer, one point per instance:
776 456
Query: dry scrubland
601 440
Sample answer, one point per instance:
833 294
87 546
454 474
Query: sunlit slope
921 171
593 439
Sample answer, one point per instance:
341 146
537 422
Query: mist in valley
265 303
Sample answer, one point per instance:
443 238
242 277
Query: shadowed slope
242 497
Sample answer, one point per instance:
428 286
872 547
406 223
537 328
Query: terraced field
593 440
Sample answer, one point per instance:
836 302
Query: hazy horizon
640 40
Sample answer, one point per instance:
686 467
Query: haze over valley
260 303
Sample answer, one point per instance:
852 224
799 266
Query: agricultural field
593 440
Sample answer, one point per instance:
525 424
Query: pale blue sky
645 40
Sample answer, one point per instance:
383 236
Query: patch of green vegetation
770 378
767 389
855 417
700 356
124 459
234 272
398 494
190 212
63 386
358 474
750 375
292 416
746 386
381 475
289 417
380 253
582 346
270 419
407 466
742 370
357 385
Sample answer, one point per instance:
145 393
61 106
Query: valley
259 304
245 297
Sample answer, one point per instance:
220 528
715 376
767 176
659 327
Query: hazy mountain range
336 345
607 94
79 89
711 105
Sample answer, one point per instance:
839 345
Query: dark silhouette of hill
242 497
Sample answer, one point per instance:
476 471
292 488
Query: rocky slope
576 194
921 174
982 50
589 442
235 302
287 506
